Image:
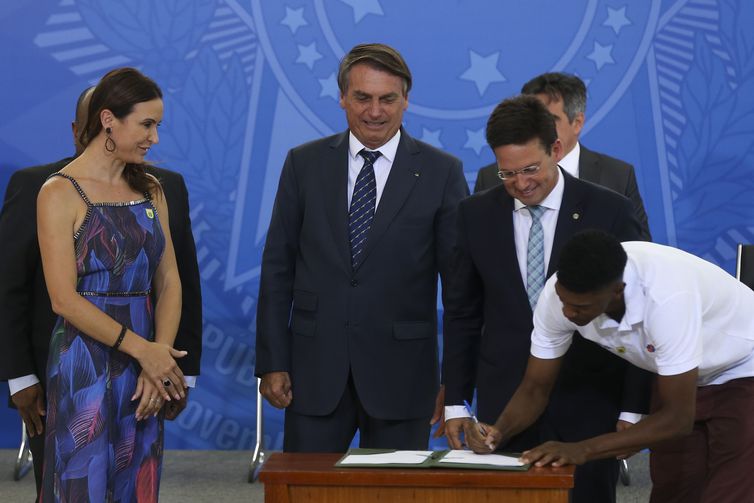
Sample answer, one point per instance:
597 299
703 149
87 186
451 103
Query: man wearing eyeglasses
507 236
564 95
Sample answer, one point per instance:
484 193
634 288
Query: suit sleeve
17 271
626 226
456 189
189 337
277 276
632 192
636 382
462 321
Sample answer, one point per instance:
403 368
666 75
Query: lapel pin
416 174
575 216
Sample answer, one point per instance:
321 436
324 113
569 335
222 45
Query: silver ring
151 400
166 382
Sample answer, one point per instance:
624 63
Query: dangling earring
109 142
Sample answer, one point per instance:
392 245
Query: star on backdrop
483 71
308 55
329 87
363 7
601 55
616 19
475 140
432 137
294 19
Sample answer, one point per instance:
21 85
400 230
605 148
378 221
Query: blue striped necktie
363 203
535 256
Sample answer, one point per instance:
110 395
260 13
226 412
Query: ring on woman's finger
166 382
151 400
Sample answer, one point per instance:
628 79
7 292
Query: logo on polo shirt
650 348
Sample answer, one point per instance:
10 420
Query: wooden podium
297 477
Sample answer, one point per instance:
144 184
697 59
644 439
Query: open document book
377 458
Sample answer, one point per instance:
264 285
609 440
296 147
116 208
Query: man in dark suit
347 317
509 239
565 98
26 317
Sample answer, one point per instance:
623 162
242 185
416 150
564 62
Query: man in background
564 96
26 317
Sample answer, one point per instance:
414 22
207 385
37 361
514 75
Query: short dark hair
590 261
519 120
378 56
560 86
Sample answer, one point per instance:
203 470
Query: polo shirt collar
633 296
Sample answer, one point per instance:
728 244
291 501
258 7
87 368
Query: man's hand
454 430
276 388
480 437
556 454
31 407
439 414
175 407
621 426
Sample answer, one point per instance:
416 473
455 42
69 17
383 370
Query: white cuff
455 411
630 417
190 381
20 383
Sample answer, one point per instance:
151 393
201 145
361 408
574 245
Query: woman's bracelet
121 336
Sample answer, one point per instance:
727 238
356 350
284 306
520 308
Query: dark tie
363 203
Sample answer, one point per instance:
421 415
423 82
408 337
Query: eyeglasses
509 175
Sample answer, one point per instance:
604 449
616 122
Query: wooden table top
319 469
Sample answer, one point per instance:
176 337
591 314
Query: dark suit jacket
319 319
488 320
26 317
596 168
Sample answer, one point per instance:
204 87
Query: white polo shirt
682 312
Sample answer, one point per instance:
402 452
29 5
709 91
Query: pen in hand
476 421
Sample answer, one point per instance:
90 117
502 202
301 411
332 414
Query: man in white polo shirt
668 312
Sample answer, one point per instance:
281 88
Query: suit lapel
404 174
334 188
571 213
588 166
505 240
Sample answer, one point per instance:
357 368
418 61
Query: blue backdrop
671 90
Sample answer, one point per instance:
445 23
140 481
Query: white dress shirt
570 162
382 165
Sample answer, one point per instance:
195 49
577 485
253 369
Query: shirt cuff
630 417
21 383
190 381
455 412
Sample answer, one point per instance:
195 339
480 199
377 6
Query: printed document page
469 457
397 457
